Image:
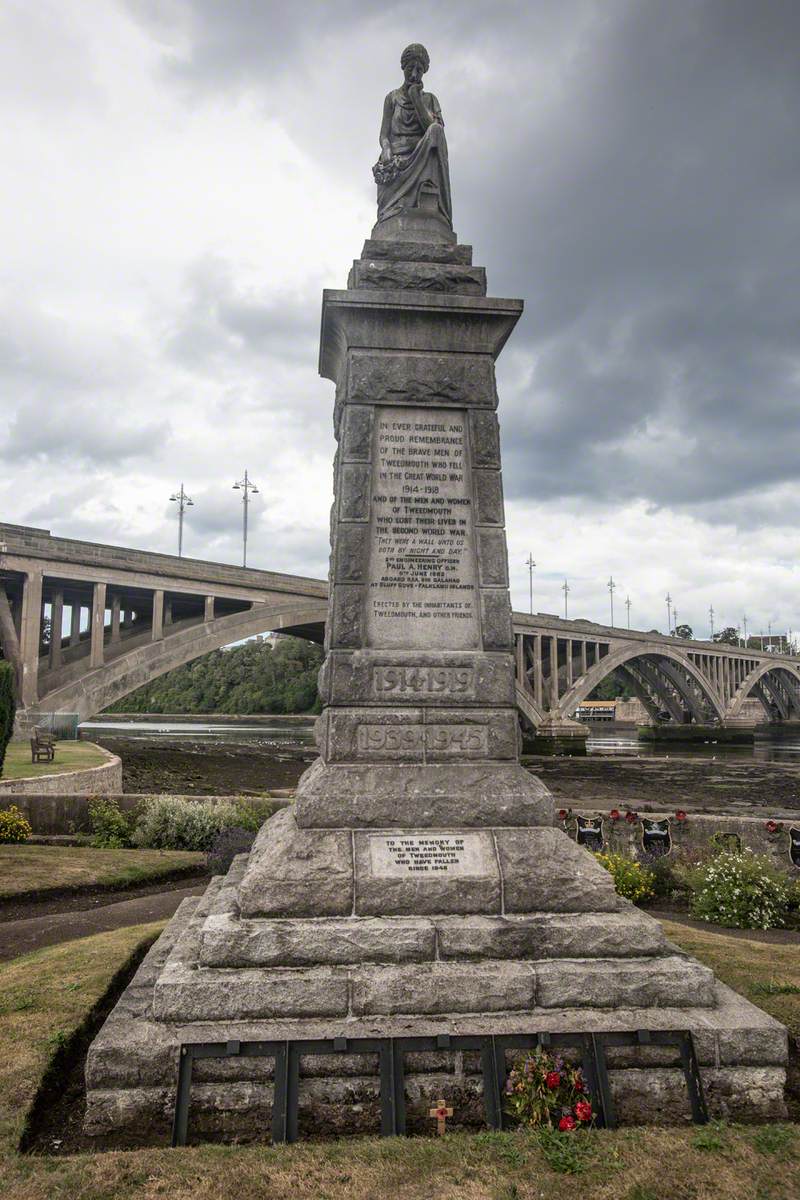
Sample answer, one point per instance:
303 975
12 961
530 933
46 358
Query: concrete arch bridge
128 616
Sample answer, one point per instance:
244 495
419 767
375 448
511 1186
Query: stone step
228 941
390 275
241 1110
135 1050
186 993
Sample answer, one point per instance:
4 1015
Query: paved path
30 933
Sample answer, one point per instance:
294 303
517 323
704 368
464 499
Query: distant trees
611 688
255 677
728 636
683 631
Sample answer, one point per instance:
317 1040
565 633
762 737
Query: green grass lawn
39 868
45 995
766 973
70 756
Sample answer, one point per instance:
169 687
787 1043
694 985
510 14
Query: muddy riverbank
190 768
725 784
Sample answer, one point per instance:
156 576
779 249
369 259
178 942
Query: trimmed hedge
8 708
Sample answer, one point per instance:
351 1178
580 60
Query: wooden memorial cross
440 1113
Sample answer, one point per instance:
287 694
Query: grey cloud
222 324
632 170
80 431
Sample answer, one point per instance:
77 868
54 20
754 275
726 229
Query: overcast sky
181 178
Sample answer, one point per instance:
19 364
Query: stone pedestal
418 885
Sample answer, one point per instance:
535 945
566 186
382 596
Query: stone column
167 610
554 689
74 621
30 641
115 618
97 652
158 616
56 622
209 609
583 658
419 726
537 654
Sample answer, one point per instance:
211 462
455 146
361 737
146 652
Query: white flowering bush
172 823
741 890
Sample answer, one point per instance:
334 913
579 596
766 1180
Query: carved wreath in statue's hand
386 171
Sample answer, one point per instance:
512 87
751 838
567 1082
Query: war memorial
418 908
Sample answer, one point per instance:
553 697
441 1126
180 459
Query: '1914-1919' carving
423 682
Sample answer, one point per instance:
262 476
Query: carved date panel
403 682
418 741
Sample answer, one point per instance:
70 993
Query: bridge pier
557 735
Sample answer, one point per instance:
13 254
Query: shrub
172 823
111 828
252 813
14 828
8 708
631 879
543 1091
741 891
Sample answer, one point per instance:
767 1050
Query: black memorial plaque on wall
590 832
656 837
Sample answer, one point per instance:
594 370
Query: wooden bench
43 746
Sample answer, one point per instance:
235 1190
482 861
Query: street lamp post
669 612
183 501
611 587
628 606
711 619
247 486
565 590
530 564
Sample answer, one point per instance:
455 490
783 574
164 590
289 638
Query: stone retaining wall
95 781
691 837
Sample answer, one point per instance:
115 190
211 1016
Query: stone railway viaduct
131 615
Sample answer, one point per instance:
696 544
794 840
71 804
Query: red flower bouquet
543 1090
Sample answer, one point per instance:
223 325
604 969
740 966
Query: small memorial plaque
426 855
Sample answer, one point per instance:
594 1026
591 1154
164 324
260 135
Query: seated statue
412 171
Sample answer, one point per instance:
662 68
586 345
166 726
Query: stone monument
418 885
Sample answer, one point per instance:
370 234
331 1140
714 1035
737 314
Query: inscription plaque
427 855
422 567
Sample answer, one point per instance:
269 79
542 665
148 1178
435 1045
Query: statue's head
415 61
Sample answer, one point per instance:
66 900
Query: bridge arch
763 671
104 685
649 652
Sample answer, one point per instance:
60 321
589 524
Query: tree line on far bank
255 677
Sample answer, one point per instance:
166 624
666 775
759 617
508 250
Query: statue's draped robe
421 157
